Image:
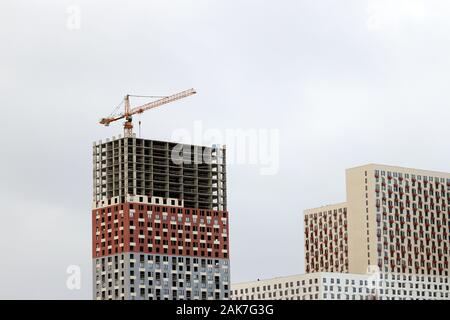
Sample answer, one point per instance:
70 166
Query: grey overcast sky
345 82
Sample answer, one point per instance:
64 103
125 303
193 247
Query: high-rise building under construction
159 220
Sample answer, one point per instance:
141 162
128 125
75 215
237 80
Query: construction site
159 216
134 166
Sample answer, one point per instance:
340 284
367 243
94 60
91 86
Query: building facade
397 221
388 241
326 239
159 221
345 286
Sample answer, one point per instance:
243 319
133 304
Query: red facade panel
202 231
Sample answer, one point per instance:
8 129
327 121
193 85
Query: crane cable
139 115
115 109
135 96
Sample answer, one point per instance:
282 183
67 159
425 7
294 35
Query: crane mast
128 124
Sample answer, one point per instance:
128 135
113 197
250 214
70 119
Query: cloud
393 15
40 241
338 94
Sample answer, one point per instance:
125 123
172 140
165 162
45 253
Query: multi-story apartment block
345 286
326 239
388 241
397 220
159 221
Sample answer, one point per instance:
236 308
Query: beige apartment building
395 219
388 241
326 239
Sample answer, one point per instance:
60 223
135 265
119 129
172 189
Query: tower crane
129 112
